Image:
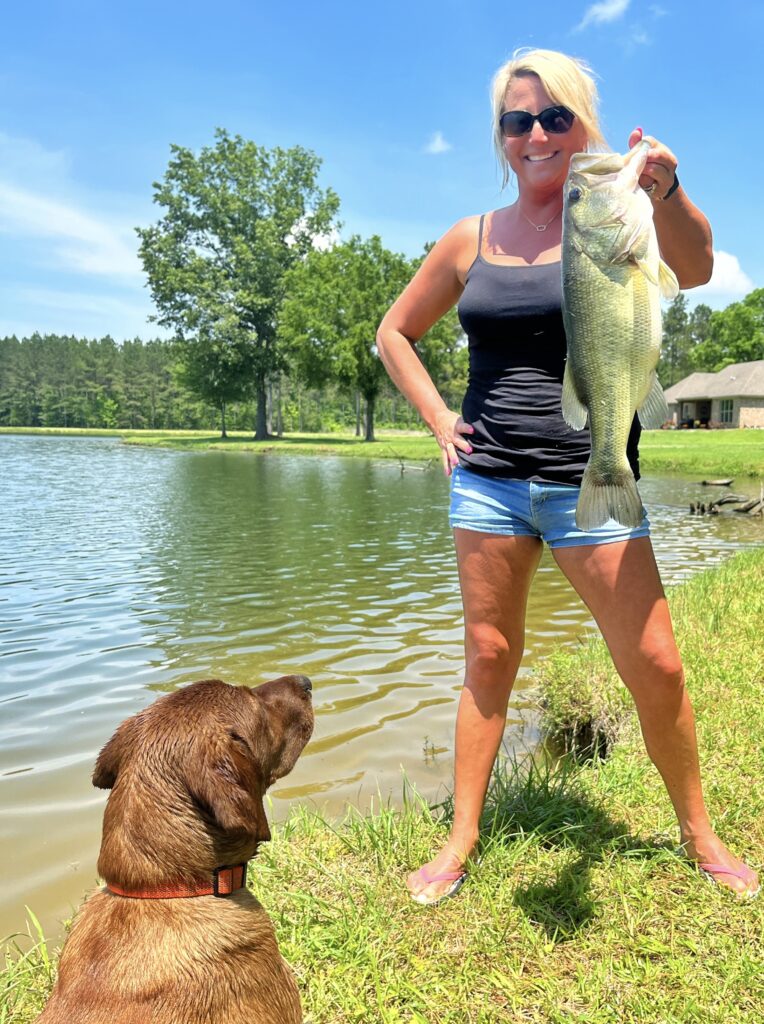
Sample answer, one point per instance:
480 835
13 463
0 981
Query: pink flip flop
457 878
709 870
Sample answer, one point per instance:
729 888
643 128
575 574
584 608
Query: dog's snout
305 683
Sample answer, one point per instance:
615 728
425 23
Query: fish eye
574 195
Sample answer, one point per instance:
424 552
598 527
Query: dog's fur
187 778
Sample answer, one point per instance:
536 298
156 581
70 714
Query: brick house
732 397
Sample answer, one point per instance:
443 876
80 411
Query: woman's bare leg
495 574
620 584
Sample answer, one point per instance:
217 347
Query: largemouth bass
612 281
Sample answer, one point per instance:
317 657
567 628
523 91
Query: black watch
673 188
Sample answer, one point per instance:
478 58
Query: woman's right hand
448 430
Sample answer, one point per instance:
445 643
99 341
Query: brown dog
174 937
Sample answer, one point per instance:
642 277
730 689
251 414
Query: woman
515 465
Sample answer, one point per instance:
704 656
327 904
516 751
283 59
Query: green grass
579 912
27 976
66 431
703 453
706 454
403 446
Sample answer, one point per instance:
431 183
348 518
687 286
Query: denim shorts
492 504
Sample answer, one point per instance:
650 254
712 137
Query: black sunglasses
557 120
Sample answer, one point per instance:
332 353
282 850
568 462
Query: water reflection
125 572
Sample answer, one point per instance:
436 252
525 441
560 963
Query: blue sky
393 97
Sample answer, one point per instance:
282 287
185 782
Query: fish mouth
596 163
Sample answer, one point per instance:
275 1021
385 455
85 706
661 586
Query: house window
725 411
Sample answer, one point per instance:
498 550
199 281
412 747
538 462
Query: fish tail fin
608 496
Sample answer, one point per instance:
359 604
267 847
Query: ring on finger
649 189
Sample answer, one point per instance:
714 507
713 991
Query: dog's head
188 773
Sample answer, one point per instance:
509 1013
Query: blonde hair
568 81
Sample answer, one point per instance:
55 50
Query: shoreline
707 454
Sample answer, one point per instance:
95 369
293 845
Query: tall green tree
236 217
10 351
329 320
734 335
675 349
699 326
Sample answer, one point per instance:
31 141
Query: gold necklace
540 227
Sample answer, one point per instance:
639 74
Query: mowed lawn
725 453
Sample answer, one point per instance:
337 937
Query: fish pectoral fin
653 412
668 282
647 270
574 412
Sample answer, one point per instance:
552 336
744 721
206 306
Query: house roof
737 380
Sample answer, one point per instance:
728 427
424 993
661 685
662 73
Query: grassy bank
703 453
579 911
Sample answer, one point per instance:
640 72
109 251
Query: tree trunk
261 422
279 415
369 418
222 420
358 414
269 414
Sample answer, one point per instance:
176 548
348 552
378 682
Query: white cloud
326 241
437 144
728 281
603 12
83 242
639 37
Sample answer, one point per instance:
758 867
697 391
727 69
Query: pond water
125 572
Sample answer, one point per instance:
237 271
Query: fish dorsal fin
667 280
653 412
574 411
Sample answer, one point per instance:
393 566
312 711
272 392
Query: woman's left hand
660 169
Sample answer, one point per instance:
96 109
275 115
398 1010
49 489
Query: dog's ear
230 787
108 763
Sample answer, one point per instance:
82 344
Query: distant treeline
62 381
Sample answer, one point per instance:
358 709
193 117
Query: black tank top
512 316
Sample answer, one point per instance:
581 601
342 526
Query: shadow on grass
540 802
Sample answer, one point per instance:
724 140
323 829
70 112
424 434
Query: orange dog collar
225 880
